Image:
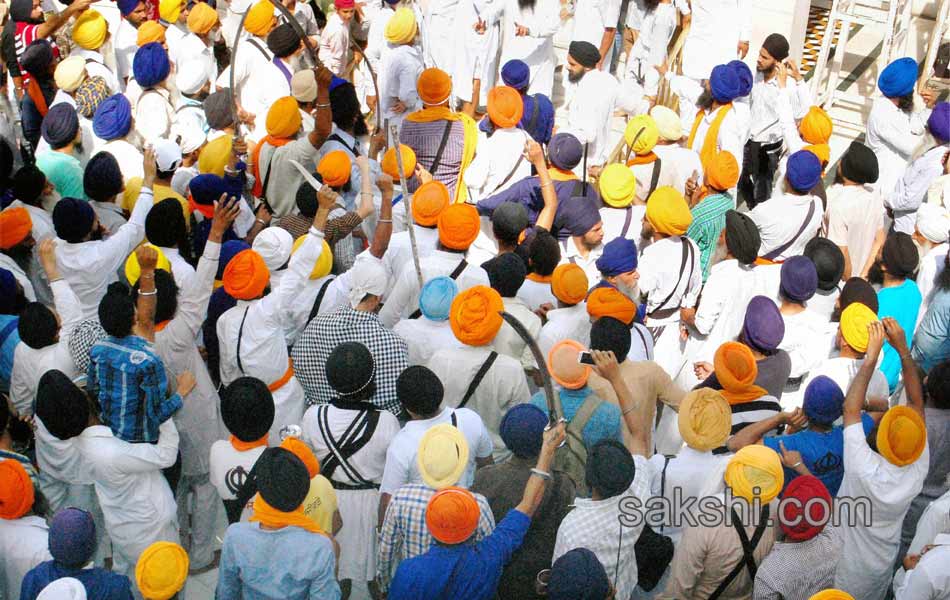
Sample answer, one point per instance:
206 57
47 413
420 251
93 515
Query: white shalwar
894 136
589 112
476 54
536 48
439 33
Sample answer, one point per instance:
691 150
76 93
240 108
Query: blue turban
60 125
763 327
799 279
522 428
7 292
229 250
619 257
803 171
150 65
939 122
336 82
72 537
898 78
206 188
113 118
823 400
436 298
102 178
516 74
578 575
539 126
565 151
744 73
127 6
577 215
73 219
724 84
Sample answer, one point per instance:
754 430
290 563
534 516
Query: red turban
800 520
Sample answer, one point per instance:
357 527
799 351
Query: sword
307 176
408 203
555 412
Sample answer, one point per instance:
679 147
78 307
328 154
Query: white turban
65 588
192 74
368 276
933 222
274 245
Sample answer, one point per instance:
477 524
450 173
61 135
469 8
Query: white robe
476 54
893 135
439 34
537 48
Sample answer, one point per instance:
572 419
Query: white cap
167 154
303 86
933 222
192 74
368 276
189 135
64 588
275 245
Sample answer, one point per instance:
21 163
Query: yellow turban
722 172
474 315
832 595
260 19
401 27
335 168
667 211
434 86
854 325
668 123
459 225
246 276
569 283
428 202
214 156
202 18
641 134
389 166
70 73
442 456
618 185
753 467
822 151
705 419
901 436
283 118
170 10
149 31
816 126
161 570
133 270
90 30
324 262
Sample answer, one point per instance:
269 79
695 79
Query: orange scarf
711 142
241 446
276 142
265 514
36 95
162 325
642 160
561 174
539 278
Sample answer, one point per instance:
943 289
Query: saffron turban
799 279
202 18
113 118
898 78
260 18
150 65
474 315
816 126
170 10
832 595
452 515
667 211
859 164
133 271
722 172
724 84
585 53
401 27
754 468
274 245
90 29
854 325
763 327
283 118
246 276
60 125
435 299
434 86
618 185
736 370
505 106
668 123
705 419
742 237
149 31
391 168
564 366
161 570
126 7
939 122
619 257
459 225
442 456
777 46
744 73
516 73
70 73
803 520
16 490
901 436
428 202
15 225
522 429
824 400
641 134
214 156
803 171
324 263
610 302
565 151
304 453
335 168
569 283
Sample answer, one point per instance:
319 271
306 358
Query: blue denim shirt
9 338
932 341
99 583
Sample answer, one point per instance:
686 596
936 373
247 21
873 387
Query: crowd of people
347 281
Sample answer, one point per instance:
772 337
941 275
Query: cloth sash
265 514
711 142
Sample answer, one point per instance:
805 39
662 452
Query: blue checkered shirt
129 380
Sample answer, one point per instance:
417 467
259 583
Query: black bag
654 554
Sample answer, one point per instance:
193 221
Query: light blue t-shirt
604 424
901 302
64 172
9 338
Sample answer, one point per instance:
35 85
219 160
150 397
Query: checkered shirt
796 571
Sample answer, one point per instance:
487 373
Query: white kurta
854 216
425 337
893 135
335 45
716 29
732 133
439 34
24 543
589 112
476 54
507 341
398 256
498 164
535 293
396 75
537 48
779 220
570 254
568 323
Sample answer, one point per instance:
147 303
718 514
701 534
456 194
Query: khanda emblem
826 464
235 479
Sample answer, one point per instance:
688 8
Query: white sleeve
117 247
141 458
745 20
20 394
715 298
68 308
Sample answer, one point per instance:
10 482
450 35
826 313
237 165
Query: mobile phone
585 358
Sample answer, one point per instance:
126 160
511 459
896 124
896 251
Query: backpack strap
316 303
666 463
583 415
453 276
479 375
748 548
777 251
687 253
438 153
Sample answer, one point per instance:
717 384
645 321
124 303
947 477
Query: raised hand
147 257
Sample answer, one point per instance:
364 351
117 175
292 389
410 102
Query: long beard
632 292
705 101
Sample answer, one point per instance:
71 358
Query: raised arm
636 414
854 399
909 370
534 488
384 223
535 155
323 122
147 296
753 434
66 302
52 24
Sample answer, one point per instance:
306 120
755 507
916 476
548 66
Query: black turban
283 40
217 107
73 218
829 262
350 368
610 468
60 125
900 255
777 46
61 406
282 479
247 408
611 335
22 11
28 183
506 273
859 164
508 220
857 289
102 178
419 390
37 58
584 53
165 224
742 237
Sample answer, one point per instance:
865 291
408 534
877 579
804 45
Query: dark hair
37 327
306 200
28 184
610 335
117 311
419 390
345 106
906 103
943 280
938 385
166 301
159 174
544 253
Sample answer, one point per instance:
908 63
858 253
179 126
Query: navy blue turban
516 74
565 151
522 428
150 65
60 125
799 279
113 118
619 257
73 219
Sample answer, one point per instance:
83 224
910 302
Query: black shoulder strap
687 251
441 150
666 463
774 253
453 275
643 339
655 178
240 335
572 259
257 45
748 549
482 371
337 138
455 421
319 300
349 444
627 220
508 177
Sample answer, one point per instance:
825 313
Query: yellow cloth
283 117
401 27
705 419
324 263
822 151
161 570
569 283
159 192
505 106
202 18
267 515
260 19
474 315
641 134
434 86
901 436
70 73
563 365
15 225
753 467
459 225
711 142
133 271
90 29
442 456
854 325
335 168
246 276
722 172
428 202
149 31
391 168
321 502
668 123
832 595
213 158
441 113
618 185
667 211
170 10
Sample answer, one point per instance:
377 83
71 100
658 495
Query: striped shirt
425 138
796 571
709 219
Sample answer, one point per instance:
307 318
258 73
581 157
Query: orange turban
832 594
434 86
16 490
202 18
260 18
610 302
569 283
458 226
389 166
667 211
428 202
304 453
736 371
334 168
505 106
722 172
901 436
149 31
452 515
283 118
565 370
822 151
474 315
246 276
816 128
15 226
